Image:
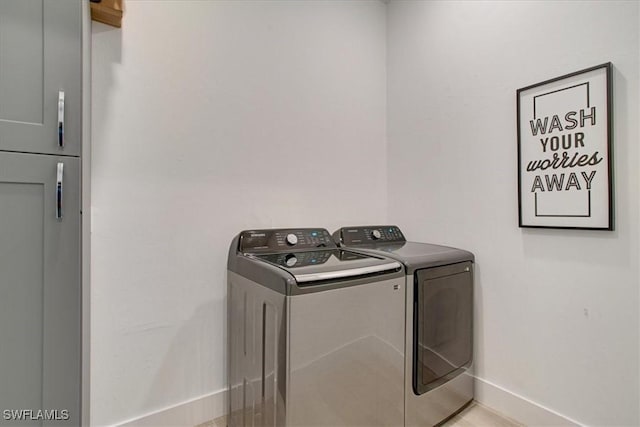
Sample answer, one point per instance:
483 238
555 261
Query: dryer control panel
367 235
284 239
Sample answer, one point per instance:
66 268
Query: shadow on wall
189 344
478 324
190 353
108 41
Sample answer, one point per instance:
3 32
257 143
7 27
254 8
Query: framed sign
564 151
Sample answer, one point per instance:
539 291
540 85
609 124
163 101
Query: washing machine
315 332
439 320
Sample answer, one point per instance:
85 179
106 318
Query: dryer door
443 324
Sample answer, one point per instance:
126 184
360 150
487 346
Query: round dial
292 239
376 234
290 260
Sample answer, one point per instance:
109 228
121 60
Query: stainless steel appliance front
327 353
439 320
442 397
443 338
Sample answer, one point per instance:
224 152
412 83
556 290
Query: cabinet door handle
59 184
61 119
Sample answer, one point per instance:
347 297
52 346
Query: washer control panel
298 259
284 239
367 235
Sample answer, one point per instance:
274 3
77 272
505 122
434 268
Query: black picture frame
558 187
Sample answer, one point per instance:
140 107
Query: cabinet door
40 55
40 316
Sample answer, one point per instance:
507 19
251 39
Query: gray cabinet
40 217
40 56
40 313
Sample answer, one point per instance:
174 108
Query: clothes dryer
439 320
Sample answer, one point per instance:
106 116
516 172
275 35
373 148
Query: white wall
209 118
557 311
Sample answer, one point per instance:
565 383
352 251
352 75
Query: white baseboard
211 406
186 414
518 407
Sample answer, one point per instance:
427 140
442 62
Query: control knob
292 239
376 234
290 260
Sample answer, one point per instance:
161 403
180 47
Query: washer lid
329 264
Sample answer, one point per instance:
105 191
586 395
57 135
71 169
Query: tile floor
475 415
